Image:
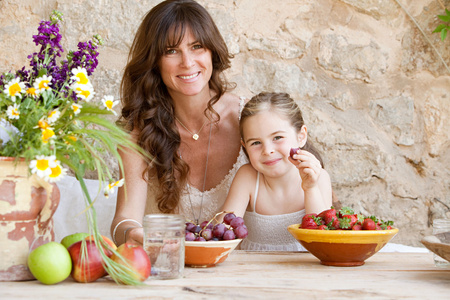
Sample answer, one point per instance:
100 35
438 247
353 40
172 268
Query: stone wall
374 91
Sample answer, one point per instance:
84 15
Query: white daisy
84 91
109 103
13 111
53 116
33 92
14 89
57 172
76 108
43 83
80 75
47 134
110 188
42 165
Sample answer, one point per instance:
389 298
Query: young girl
274 190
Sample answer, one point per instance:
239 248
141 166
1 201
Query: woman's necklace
195 136
204 183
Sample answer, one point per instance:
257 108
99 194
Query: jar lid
164 221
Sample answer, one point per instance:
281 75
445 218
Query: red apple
135 258
107 241
86 261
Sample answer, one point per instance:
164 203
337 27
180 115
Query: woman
177 107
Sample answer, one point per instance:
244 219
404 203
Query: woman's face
187 68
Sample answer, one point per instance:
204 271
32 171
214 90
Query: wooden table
267 275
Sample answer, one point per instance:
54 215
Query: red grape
218 230
228 218
241 232
207 234
236 222
189 236
229 235
293 151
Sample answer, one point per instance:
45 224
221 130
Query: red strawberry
323 227
347 221
311 221
328 215
369 224
357 227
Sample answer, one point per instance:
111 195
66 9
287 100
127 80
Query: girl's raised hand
309 167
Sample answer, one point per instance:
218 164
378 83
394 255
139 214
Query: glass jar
164 244
439 226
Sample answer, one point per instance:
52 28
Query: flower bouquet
48 117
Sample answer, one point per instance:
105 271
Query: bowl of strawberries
342 238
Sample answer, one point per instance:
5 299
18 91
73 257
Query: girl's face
268 138
187 68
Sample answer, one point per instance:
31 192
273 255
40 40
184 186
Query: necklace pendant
195 136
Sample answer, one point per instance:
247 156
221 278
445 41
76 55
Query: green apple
67 241
50 263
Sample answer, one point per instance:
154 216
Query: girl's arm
316 182
130 208
240 191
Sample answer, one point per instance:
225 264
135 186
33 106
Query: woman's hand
309 167
135 235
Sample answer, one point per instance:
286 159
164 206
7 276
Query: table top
267 275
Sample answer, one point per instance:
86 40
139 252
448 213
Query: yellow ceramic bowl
344 248
208 254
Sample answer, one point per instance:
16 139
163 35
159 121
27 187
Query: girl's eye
255 143
277 138
197 46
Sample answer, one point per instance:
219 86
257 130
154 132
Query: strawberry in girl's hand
311 221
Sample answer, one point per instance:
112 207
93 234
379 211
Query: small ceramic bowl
342 248
438 244
208 254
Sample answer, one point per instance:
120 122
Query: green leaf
444 18
439 28
444 34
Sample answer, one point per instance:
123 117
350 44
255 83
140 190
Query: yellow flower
80 75
43 83
42 165
70 139
53 116
33 92
47 134
57 172
13 111
110 188
14 89
43 124
109 103
84 91
76 108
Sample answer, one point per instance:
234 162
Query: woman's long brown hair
147 106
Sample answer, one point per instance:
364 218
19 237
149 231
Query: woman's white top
269 232
213 199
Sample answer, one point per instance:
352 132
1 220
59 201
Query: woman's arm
126 225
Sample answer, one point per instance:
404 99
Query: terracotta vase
27 204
